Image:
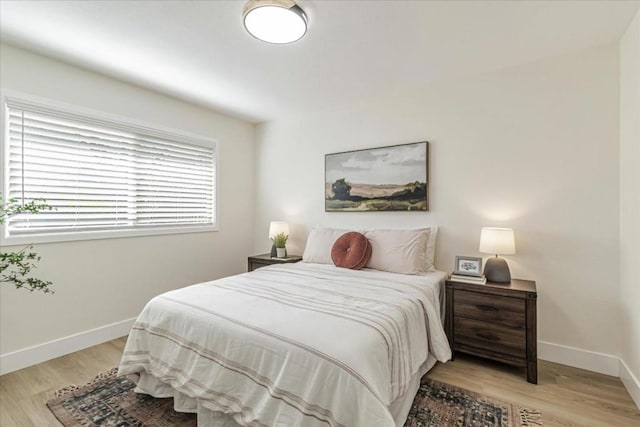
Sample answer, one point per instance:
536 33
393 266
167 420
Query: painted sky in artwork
379 166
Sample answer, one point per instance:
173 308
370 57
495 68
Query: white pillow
399 251
319 244
431 248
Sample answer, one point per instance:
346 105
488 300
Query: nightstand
496 321
257 261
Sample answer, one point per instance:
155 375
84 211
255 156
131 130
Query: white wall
630 198
104 281
533 147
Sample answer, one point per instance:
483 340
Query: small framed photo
468 266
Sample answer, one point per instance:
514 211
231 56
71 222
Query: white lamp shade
498 241
277 227
275 21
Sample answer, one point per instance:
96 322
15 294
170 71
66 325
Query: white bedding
291 345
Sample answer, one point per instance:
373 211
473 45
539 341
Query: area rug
109 401
440 404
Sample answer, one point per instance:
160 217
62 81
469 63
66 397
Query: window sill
102 234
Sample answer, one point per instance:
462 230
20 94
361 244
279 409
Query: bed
300 344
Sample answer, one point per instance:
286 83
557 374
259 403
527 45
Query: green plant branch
12 207
16 266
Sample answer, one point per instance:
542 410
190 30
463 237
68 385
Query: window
103 177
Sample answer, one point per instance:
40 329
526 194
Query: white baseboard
579 358
630 382
25 357
592 361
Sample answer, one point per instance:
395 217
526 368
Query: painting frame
476 266
410 195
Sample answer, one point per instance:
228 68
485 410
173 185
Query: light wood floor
566 396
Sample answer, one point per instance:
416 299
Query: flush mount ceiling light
275 21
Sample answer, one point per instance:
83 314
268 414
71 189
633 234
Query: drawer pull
489 337
486 307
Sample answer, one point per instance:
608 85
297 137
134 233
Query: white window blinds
102 175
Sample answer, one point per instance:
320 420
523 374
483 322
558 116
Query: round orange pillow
351 250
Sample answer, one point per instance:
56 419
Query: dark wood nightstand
258 261
496 321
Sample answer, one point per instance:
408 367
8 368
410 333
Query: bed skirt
211 415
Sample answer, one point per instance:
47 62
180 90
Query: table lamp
275 228
497 241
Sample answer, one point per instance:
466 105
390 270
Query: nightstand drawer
490 336
504 310
495 320
255 265
258 261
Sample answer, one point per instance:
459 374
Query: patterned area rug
440 404
108 401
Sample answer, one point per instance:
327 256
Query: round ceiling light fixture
275 21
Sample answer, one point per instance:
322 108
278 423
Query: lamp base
497 270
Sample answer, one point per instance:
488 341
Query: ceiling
200 52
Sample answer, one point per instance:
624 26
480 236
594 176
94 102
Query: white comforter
292 345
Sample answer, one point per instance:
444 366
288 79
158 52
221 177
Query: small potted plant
280 242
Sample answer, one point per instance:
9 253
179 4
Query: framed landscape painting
390 178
